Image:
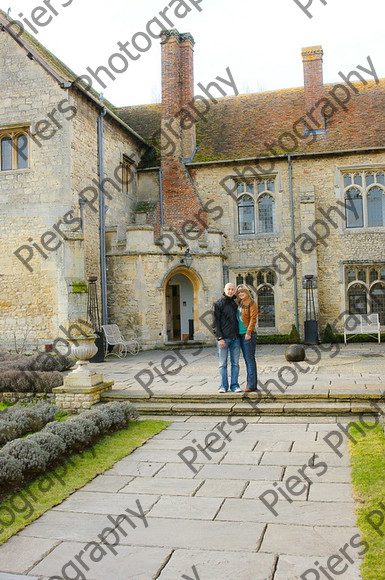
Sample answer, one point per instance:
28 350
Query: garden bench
114 338
362 324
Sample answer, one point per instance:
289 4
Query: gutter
102 216
284 157
290 167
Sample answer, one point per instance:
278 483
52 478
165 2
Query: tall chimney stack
180 198
313 76
178 85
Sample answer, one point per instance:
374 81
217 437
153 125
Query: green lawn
50 489
368 476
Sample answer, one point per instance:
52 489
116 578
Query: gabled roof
58 70
238 127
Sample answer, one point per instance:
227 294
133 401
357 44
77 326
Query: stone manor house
261 188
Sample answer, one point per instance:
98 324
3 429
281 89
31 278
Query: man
226 331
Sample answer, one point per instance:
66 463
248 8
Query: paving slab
255 488
128 562
19 554
159 485
285 458
110 483
222 489
218 565
294 567
5 576
189 508
268 445
179 470
241 457
312 541
133 467
305 513
94 502
341 492
323 473
245 472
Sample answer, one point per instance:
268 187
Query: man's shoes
250 390
222 390
237 390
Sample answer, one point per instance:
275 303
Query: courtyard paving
210 498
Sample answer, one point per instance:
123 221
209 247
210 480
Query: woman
247 319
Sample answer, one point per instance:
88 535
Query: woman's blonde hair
244 288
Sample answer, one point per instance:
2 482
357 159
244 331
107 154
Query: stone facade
185 203
43 286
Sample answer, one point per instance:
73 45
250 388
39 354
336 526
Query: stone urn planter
83 348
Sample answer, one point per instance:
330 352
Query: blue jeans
248 351
232 347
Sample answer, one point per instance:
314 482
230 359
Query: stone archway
181 287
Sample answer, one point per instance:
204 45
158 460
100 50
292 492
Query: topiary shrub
18 381
328 334
117 414
129 410
104 421
90 429
19 420
52 444
43 362
294 337
11 471
32 457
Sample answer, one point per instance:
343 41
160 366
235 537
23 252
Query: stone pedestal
81 389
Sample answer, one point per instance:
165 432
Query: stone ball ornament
295 353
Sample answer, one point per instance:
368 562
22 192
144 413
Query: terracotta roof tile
238 127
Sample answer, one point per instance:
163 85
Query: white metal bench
362 324
114 338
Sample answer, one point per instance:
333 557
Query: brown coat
249 314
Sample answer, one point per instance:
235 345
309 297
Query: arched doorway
179 308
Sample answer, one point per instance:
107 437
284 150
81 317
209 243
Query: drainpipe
161 197
102 215
293 241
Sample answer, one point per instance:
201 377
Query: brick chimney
313 77
180 198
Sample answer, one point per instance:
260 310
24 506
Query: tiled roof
238 127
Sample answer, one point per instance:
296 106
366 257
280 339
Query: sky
260 41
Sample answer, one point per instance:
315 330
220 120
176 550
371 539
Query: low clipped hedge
25 458
32 374
18 420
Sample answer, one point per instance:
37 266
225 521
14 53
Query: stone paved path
204 517
195 370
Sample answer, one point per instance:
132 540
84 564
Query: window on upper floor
262 283
127 173
364 194
14 149
366 289
256 206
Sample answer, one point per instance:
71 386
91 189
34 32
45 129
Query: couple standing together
235 318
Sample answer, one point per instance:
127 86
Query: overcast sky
260 41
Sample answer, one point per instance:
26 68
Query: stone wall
32 200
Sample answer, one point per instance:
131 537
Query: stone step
324 395
241 404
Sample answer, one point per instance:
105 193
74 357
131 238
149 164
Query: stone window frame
365 280
253 191
14 132
359 182
263 278
127 167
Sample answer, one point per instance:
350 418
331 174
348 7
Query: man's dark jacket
225 321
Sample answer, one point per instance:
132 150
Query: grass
368 477
20 509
